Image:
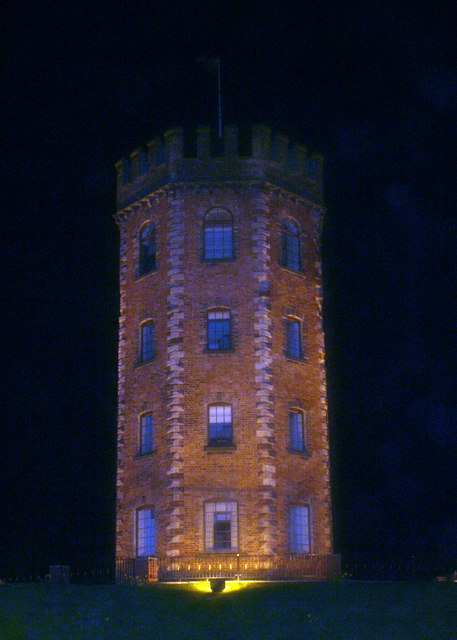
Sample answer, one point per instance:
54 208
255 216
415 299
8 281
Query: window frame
146 434
227 226
220 441
210 509
293 321
303 427
299 532
148 547
146 351
143 268
216 310
291 255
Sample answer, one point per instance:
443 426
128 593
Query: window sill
300 272
143 363
213 261
296 360
227 552
220 448
145 456
218 352
306 453
144 275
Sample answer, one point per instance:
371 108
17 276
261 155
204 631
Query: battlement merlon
272 159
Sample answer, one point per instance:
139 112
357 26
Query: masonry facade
222 421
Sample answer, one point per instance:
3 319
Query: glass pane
147 341
218 334
146 434
299 529
147 250
145 532
293 339
218 242
296 431
220 424
290 246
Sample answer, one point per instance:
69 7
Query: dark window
219 330
220 424
290 245
221 526
145 532
299 539
147 342
146 433
297 425
147 258
293 339
218 235
222 531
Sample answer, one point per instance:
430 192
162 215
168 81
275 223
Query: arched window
218 235
220 425
290 245
147 257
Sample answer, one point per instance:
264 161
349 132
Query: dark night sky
371 85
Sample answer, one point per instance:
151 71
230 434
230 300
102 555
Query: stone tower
222 420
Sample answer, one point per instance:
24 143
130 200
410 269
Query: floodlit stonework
222 420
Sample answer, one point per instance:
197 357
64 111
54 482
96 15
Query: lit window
218 235
220 424
146 433
145 532
293 339
298 425
147 342
147 257
290 245
219 330
299 529
221 526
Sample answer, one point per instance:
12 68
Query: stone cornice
207 187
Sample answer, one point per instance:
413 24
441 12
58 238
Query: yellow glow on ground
230 585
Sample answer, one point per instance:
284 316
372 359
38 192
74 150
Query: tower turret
222 424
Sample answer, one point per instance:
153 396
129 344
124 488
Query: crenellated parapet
270 157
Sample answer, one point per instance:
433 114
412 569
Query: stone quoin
223 457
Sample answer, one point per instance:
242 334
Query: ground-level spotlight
217 585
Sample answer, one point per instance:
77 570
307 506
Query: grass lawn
352 610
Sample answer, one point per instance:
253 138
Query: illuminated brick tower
222 424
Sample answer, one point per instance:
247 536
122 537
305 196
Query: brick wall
256 378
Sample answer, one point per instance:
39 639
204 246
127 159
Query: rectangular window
299 541
218 241
220 424
221 526
297 430
145 532
219 330
293 339
147 341
146 434
290 245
